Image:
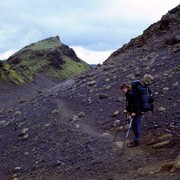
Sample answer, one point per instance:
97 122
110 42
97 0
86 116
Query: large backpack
144 94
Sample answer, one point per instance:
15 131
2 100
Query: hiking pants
136 126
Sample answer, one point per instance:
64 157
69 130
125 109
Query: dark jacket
133 104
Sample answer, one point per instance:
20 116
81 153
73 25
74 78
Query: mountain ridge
167 23
48 57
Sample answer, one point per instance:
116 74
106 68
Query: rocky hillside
67 131
47 58
155 52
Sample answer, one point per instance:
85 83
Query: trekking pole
130 125
116 134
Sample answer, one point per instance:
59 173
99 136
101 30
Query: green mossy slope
49 57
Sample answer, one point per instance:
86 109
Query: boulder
115 113
176 164
161 109
161 144
81 114
120 144
103 96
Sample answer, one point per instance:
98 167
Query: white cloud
97 26
6 54
32 35
92 57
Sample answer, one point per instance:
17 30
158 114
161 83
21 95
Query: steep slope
155 52
47 58
67 131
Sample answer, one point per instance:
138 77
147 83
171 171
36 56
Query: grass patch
35 64
15 77
69 68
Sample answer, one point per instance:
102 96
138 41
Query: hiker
133 108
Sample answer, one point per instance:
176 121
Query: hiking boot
134 144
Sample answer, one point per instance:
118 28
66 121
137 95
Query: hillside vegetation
48 57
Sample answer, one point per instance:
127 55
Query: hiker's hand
133 114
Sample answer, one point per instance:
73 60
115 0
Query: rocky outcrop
155 32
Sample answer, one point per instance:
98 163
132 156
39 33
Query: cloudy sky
93 28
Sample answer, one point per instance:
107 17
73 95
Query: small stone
17 113
120 144
137 73
165 89
26 153
54 111
10 110
156 126
81 114
76 126
161 144
2 122
14 176
105 134
91 83
116 122
59 162
47 125
103 96
74 118
161 109
21 101
107 87
23 131
176 164
121 128
89 100
25 136
107 80
17 168
176 84
1 111
165 137
114 114
148 78
120 99
39 91
165 74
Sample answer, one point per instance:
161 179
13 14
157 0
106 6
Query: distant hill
48 58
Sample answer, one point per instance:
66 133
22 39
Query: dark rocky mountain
48 59
67 131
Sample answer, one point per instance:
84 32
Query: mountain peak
48 57
48 43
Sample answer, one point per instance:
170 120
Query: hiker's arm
135 104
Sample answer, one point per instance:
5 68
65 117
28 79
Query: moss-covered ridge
49 57
15 75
